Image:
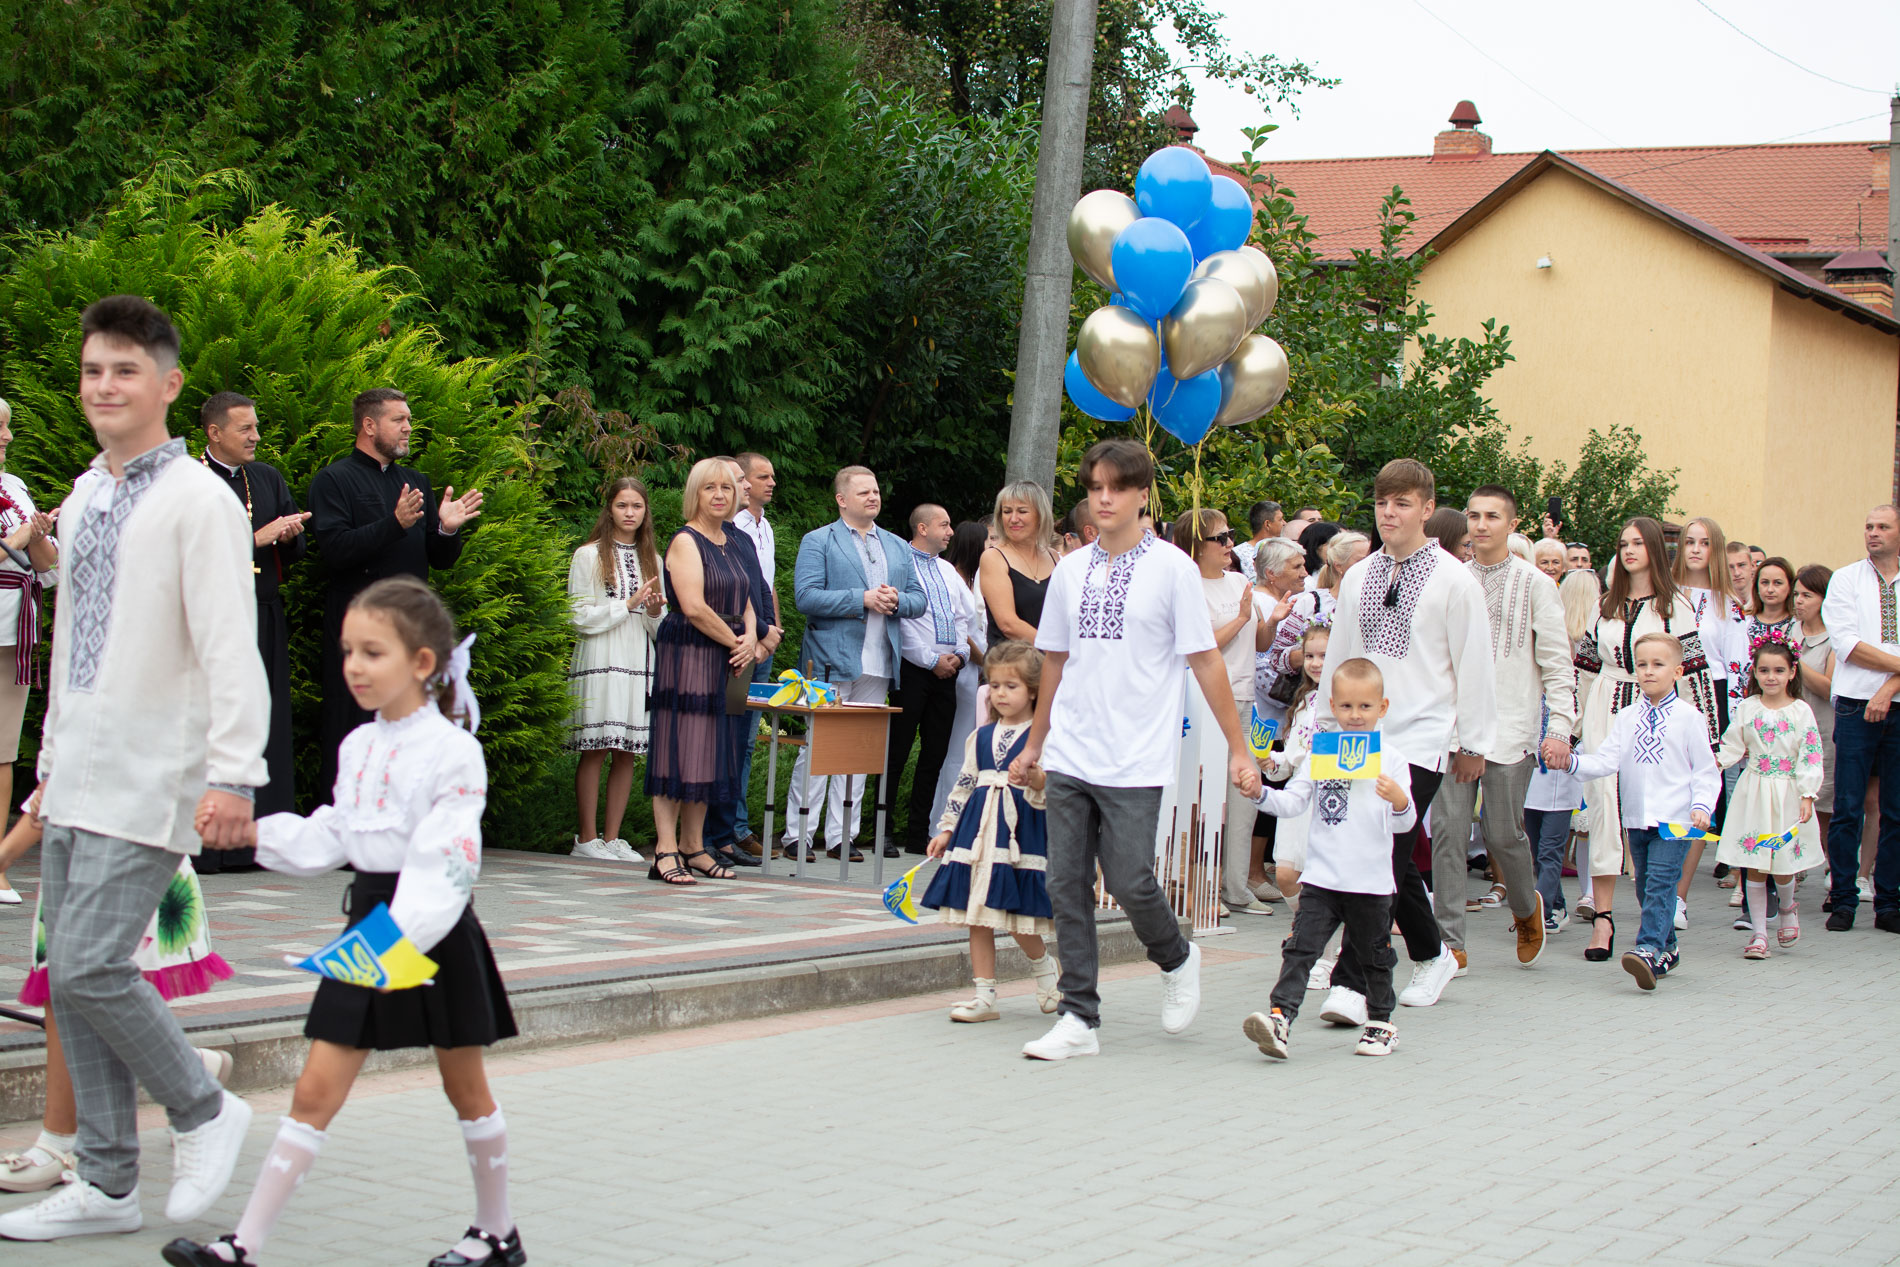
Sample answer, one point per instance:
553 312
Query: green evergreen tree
287 312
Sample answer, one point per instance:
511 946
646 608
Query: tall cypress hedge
287 312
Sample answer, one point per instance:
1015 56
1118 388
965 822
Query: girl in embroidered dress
613 586
1642 598
994 840
1289 841
407 816
1775 739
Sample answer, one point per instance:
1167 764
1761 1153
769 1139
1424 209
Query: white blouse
10 519
408 798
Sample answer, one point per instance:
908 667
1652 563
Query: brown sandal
713 870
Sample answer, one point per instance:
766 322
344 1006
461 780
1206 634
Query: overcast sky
1611 74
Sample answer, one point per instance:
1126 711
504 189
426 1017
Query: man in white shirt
1862 614
1266 521
934 646
1414 611
1530 651
156 719
1121 620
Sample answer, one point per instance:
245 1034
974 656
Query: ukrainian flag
900 896
1770 844
1346 754
372 953
1261 733
1684 831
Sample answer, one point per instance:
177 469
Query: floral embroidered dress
612 668
1780 753
1609 651
995 872
175 953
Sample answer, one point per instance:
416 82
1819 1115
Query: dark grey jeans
1113 827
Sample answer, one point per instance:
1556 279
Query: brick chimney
1462 140
1862 275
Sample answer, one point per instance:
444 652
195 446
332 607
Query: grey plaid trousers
100 893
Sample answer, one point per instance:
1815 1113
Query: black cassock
353 515
269 496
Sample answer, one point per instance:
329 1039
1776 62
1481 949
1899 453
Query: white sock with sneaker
285 1167
487 1140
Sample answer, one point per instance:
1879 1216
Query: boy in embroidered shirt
1348 877
1668 777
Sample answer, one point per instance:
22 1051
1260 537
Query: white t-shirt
1226 595
1128 624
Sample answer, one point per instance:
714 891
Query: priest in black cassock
373 519
231 432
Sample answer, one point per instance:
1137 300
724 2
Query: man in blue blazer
853 583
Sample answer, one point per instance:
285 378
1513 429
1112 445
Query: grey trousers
1115 828
100 893
1510 850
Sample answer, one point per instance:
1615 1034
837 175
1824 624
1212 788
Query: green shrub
285 311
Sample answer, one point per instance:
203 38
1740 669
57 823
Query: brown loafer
750 845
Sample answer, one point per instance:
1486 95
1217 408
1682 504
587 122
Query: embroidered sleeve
1587 658
966 784
445 849
1809 767
595 610
294 845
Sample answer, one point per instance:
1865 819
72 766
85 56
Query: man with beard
373 518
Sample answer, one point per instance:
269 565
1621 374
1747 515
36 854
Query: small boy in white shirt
1658 748
1348 876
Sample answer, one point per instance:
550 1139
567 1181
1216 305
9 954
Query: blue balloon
1174 184
1087 398
1152 262
1185 407
1228 222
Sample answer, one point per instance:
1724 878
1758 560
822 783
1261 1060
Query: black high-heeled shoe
505 1251
1601 955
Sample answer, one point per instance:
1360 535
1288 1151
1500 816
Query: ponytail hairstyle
1775 643
602 537
421 619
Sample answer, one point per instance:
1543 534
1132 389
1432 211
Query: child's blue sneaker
1640 963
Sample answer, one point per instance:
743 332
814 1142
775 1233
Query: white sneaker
596 849
1269 1033
1181 993
1429 979
624 851
1378 1040
1866 886
1069 1036
1321 977
1344 1007
217 1063
77 1209
8 897
202 1160
1682 915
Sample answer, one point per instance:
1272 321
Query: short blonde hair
846 475
704 472
1037 498
1668 642
1520 545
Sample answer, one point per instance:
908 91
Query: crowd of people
1446 696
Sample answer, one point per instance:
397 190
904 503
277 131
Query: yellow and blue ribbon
374 953
900 896
797 690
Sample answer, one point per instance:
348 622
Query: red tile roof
1783 199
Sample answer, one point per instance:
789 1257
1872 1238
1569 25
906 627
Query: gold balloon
1244 276
1252 381
1094 224
1118 353
1263 262
1204 327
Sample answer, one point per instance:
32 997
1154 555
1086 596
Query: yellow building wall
1832 383
1635 323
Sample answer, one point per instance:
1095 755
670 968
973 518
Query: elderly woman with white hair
28 535
1547 556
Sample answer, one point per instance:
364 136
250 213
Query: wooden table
844 739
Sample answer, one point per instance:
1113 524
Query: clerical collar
376 462
220 463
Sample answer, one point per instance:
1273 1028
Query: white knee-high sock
487 1140
291 1155
1758 905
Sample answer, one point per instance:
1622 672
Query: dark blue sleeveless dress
992 876
693 755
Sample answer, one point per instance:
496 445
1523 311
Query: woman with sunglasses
1206 539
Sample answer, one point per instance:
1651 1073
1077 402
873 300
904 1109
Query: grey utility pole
1893 219
1036 416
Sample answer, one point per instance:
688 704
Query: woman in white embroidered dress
29 532
613 586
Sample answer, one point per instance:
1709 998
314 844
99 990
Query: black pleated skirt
466 1007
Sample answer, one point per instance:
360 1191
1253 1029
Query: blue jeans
1863 750
731 822
1658 866
1548 830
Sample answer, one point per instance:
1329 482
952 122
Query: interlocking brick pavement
1744 1113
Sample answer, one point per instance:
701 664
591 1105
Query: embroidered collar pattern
1104 611
1889 606
1650 730
1388 630
943 618
93 580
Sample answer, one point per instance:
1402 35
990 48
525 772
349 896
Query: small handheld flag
1261 732
1685 831
1346 754
372 953
1770 844
900 896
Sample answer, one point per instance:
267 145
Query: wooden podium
844 739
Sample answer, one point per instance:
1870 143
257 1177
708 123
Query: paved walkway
1744 1113
552 920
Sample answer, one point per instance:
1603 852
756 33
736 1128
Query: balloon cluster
1185 293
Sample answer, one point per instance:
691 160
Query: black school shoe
1888 922
187 1253
1841 920
503 1252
